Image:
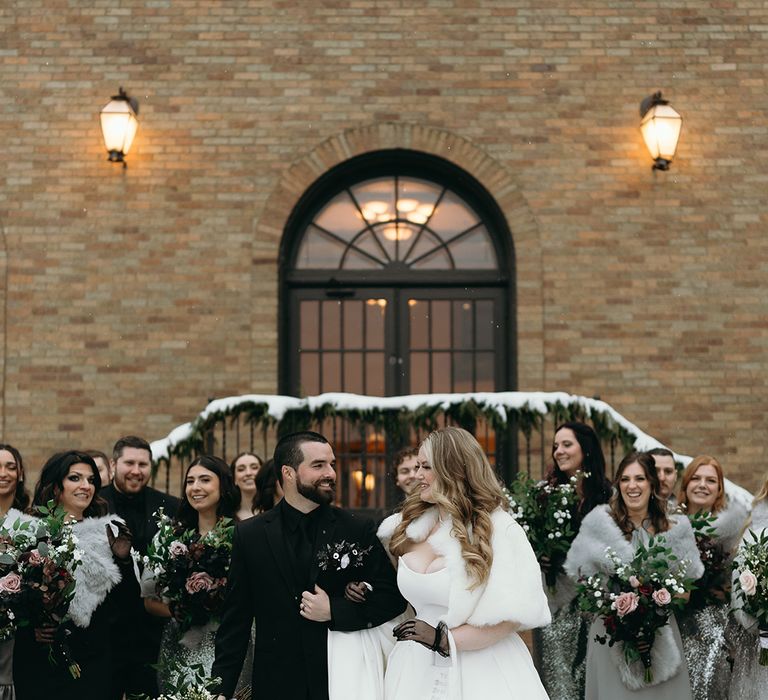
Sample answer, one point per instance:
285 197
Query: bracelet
440 630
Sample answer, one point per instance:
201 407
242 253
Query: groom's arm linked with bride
288 573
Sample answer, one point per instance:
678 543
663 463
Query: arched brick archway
270 225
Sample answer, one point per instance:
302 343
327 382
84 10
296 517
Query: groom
288 572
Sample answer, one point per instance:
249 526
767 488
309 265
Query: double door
390 342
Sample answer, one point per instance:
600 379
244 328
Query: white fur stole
98 573
665 661
729 523
513 591
758 524
599 531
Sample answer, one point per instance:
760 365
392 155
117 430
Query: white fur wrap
599 531
728 524
665 661
587 557
513 591
758 524
98 573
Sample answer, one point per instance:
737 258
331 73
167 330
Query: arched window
396 278
398 222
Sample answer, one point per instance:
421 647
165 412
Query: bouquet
751 585
190 571
635 601
38 561
191 683
712 587
546 512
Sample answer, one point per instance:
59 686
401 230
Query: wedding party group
254 585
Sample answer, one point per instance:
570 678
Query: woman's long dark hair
657 509
596 487
21 497
51 482
229 499
266 487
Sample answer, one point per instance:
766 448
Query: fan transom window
397 222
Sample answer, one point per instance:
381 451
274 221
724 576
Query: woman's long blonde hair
763 493
466 488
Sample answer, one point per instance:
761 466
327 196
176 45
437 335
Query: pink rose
199 581
634 581
625 603
748 582
10 583
662 597
34 558
177 549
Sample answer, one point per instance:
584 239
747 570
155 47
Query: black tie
306 546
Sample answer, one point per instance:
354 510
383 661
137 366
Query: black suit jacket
131 618
153 501
290 652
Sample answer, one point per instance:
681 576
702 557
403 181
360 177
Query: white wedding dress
502 670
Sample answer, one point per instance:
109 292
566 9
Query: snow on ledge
500 402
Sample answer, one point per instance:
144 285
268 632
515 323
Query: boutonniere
338 556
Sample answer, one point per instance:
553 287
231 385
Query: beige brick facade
131 296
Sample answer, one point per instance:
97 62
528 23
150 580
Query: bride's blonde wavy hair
466 488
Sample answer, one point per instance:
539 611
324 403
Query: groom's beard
316 495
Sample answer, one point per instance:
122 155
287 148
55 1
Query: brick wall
132 296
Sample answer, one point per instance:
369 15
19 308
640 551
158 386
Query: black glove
415 630
120 545
355 591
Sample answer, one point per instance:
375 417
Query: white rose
748 582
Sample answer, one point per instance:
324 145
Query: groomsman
404 465
135 634
667 471
288 572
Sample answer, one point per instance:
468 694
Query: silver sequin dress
750 679
197 646
707 649
563 662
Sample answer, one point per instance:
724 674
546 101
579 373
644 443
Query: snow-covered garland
398 414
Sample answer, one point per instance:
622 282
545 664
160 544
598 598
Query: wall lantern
118 125
660 125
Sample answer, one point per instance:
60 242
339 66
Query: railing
515 428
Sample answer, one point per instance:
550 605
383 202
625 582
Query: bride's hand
356 590
415 630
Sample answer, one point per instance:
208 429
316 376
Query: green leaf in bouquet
43 548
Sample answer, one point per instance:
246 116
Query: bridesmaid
703 625
750 679
13 501
244 469
575 447
209 495
71 479
635 513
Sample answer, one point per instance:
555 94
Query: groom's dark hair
288 450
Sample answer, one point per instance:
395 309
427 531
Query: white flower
558 533
344 561
550 536
564 501
598 594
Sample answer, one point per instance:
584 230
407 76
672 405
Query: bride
467 569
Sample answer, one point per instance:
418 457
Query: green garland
399 423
